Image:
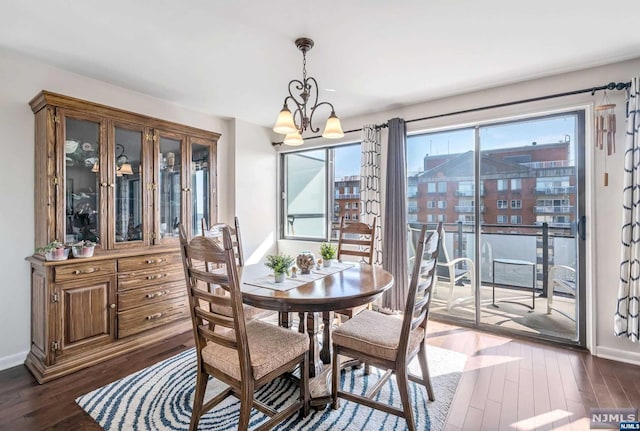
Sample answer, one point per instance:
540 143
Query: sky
514 134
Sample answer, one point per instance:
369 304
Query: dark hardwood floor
508 384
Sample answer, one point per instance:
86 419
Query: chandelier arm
313 92
294 86
313 111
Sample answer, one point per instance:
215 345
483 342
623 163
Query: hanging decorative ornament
606 130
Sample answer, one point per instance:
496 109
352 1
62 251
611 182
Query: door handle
582 227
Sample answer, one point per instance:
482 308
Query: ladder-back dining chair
389 343
356 239
214 231
242 354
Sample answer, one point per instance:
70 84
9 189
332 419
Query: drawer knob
112 306
155 295
154 316
86 271
150 261
154 277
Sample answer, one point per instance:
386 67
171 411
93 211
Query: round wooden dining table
351 287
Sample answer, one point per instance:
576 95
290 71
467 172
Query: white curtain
626 321
370 183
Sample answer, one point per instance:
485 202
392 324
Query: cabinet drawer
141 263
150 295
84 270
150 316
151 277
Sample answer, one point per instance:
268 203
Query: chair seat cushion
375 334
270 347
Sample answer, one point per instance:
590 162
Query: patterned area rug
160 397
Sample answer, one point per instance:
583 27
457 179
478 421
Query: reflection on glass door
511 258
128 218
82 180
170 186
441 188
200 205
530 170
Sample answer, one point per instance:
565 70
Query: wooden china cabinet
124 181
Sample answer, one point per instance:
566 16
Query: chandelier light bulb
333 128
293 139
285 124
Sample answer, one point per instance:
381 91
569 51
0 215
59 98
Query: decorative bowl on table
306 261
83 249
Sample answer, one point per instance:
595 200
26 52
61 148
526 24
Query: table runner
269 282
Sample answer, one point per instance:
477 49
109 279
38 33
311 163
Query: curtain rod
592 90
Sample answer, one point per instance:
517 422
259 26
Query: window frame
330 195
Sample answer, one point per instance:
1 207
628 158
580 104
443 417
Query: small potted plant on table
83 248
328 252
55 250
280 265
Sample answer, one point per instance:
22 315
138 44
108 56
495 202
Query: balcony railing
548 164
348 196
552 209
555 190
467 208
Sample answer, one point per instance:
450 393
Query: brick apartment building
525 185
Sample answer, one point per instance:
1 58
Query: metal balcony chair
564 278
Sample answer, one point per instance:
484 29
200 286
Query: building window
442 218
502 204
465 188
442 187
431 204
431 187
442 204
516 204
501 185
355 216
430 218
354 205
516 184
307 195
502 219
516 219
346 205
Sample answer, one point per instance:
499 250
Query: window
516 204
431 204
501 186
516 184
502 219
430 218
431 187
465 188
442 187
346 205
442 218
308 196
516 219
355 216
502 204
354 205
442 204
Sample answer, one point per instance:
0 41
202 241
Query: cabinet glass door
200 186
81 181
129 225
170 186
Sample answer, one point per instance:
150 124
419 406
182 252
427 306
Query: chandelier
305 105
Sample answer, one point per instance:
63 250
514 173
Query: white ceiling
235 58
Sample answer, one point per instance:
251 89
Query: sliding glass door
511 197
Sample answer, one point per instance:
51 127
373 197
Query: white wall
604 204
255 190
22 79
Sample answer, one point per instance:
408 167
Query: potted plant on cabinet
280 265
83 248
55 250
327 251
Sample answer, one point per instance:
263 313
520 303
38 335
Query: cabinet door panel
87 314
81 150
128 224
171 185
201 185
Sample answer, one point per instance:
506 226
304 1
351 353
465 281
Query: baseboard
618 355
12 360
